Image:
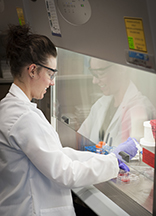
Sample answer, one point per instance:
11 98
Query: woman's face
42 80
106 76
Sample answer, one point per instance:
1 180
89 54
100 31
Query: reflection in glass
97 97
122 109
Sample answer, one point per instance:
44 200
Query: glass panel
75 93
105 101
118 99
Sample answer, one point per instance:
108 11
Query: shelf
74 77
5 80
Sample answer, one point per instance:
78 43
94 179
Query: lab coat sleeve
35 137
79 155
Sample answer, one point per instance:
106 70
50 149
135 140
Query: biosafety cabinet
105 88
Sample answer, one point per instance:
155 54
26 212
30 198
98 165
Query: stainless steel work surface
139 189
98 202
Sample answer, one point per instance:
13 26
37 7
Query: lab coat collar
131 92
17 92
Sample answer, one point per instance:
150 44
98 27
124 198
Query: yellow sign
20 15
135 34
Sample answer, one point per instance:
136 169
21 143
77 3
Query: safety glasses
52 76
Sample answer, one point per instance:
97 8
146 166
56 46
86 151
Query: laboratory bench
124 195
117 197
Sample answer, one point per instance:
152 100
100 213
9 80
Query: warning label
135 34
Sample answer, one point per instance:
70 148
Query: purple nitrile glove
123 166
129 147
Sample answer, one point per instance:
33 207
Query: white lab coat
36 172
127 121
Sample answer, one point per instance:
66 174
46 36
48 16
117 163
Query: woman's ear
31 70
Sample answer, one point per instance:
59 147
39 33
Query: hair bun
19 34
17 40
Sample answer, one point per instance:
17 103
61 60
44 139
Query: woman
121 111
37 173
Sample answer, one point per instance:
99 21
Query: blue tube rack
106 150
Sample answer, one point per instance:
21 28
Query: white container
148 139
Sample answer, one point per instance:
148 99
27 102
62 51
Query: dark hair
24 47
